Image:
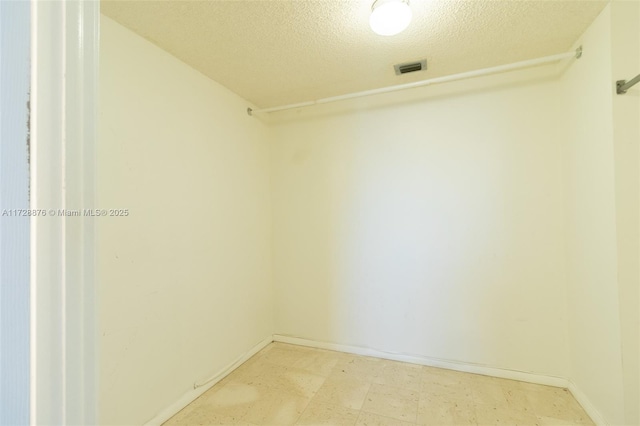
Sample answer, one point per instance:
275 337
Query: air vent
410 67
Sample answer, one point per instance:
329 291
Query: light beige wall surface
625 56
432 227
625 43
185 278
602 206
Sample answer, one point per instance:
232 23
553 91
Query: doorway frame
63 329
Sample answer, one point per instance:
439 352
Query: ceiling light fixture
390 17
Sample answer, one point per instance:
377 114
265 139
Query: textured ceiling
277 52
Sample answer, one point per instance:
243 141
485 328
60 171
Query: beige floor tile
232 400
345 390
400 374
446 405
489 393
365 368
199 417
298 382
274 376
501 415
256 369
370 419
394 402
458 392
516 396
508 384
550 421
318 413
285 355
557 403
276 408
321 363
446 416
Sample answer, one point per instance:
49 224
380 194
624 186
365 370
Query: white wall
625 56
432 227
601 172
185 279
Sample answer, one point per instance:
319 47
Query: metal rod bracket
619 87
623 85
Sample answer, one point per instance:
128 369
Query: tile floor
287 384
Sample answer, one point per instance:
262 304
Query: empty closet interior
488 224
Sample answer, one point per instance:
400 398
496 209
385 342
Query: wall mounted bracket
623 85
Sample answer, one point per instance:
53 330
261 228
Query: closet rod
623 85
477 73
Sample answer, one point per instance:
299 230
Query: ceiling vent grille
410 67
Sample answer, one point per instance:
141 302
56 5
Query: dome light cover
390 17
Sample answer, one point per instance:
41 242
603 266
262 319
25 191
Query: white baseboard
586 404
431 362
204 386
